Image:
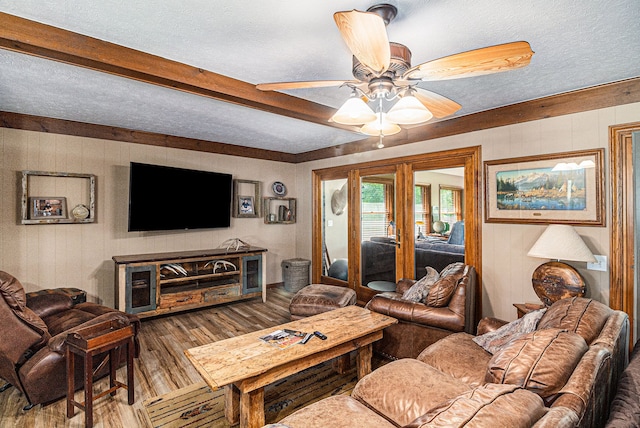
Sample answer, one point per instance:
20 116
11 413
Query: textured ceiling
577 44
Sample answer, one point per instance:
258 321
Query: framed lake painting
552 188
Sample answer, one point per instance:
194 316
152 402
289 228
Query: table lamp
556 280
420 224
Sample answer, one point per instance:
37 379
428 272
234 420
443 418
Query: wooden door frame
469 158
622 237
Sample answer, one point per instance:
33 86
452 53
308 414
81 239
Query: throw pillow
419 291
452 269
497 339
443 289
541 361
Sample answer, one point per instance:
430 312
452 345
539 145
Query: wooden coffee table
244 365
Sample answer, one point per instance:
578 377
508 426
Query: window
422 209
377 207
450 204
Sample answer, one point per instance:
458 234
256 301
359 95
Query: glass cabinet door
251 274
141 289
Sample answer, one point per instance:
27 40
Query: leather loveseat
421 324
560 374
32 350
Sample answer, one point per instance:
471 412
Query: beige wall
506 268
44 256
79 255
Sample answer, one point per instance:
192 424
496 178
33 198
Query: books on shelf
284 338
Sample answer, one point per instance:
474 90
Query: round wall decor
279 189
80 212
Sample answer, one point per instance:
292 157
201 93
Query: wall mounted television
167 198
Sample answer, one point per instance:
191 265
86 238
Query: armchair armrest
45 305
403 285
489 324
418 313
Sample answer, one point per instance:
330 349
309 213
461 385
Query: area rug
198 406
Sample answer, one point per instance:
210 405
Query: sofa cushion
486 406
458 356
336 411
441 292
419 291
541 361
579 315
495 340
405 389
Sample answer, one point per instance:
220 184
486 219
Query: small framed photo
46 207
245 206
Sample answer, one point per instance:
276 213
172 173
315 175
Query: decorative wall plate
279 189
80 212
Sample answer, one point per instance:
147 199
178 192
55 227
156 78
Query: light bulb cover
354 112
409 111
377 127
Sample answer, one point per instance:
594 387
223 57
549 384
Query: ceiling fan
383 71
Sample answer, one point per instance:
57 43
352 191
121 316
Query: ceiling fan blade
366 37
279 86
492 59
437 104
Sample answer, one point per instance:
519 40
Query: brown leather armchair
420 325
32 353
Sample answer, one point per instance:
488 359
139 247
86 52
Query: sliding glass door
438 215
335 230
379 234
378 222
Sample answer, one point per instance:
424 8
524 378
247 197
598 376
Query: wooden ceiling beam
80 129
45 41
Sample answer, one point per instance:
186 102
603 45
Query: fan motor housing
400 62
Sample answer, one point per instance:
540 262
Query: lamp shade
377 127
409 111
354 112
561 242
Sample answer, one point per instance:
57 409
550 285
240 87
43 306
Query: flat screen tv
167 198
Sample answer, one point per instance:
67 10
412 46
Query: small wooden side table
525 308
90 341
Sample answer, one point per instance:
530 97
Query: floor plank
162 366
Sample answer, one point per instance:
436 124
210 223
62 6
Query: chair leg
6 386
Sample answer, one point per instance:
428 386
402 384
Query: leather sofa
561 374
420 325
379 255
34 329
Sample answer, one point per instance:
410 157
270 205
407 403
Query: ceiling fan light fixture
354 112
380 127
409 111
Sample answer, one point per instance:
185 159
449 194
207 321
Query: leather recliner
32 350
420 325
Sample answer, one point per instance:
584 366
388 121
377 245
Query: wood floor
162 366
